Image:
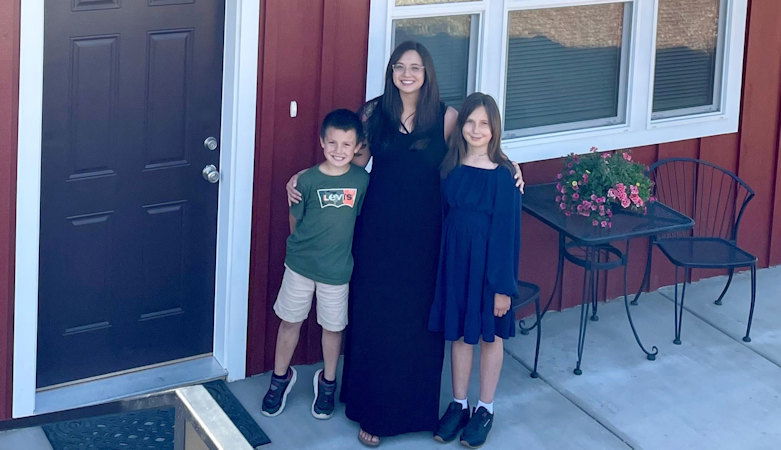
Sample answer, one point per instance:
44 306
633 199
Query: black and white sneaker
276 396
325 395
476 431
455 418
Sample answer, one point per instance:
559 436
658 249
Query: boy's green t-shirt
320 248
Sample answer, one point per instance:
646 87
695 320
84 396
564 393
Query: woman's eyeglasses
414 69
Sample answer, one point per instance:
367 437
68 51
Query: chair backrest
711 195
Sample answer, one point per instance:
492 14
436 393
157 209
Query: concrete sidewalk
712 392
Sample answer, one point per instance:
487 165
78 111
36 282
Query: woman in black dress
392 363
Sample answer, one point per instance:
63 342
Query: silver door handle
211 174
210 143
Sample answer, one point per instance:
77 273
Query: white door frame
242 19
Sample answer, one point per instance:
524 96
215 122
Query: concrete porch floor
714 391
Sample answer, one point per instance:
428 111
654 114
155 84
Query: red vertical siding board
689 148
646 154
9 112
309 55
261 219
291 43
340 83
345 32
259 345
721 149
759 132
297 148
775 227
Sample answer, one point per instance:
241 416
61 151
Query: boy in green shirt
319 258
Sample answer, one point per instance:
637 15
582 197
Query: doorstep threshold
130 384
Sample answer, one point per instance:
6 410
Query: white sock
488 406
464 403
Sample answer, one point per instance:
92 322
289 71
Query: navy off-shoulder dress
481 237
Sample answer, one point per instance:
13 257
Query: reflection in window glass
427 2
686 41
564 67
448 39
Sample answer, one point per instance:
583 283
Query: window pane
686 38
448 40
427 2
564 66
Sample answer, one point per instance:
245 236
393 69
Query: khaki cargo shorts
295 300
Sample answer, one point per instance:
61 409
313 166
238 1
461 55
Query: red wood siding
9 107
333 36
758 144
313 52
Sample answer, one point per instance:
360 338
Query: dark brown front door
132 88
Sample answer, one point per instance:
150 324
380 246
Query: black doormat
147 428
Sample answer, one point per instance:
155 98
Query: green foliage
593 184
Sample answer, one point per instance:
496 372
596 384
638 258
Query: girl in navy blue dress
478 263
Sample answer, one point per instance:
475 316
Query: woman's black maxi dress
392 363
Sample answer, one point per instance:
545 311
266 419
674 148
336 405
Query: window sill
535 148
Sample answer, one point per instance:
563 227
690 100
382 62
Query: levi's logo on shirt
337 197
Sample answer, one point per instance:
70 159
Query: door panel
128 225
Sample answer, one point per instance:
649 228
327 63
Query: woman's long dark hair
457 144
390 105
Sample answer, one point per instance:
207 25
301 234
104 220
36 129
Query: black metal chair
527 293
716 199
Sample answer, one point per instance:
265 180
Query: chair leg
729 280
679 308
746 338
534 373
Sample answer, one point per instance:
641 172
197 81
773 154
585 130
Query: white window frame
719 70
640 127
618 120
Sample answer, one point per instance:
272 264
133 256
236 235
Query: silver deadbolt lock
211 174
210 143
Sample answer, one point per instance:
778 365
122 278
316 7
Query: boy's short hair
345 120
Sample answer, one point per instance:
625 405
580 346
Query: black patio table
589 247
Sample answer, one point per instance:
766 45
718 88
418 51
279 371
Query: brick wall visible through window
578 72
686 55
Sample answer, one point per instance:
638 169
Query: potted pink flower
592 185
